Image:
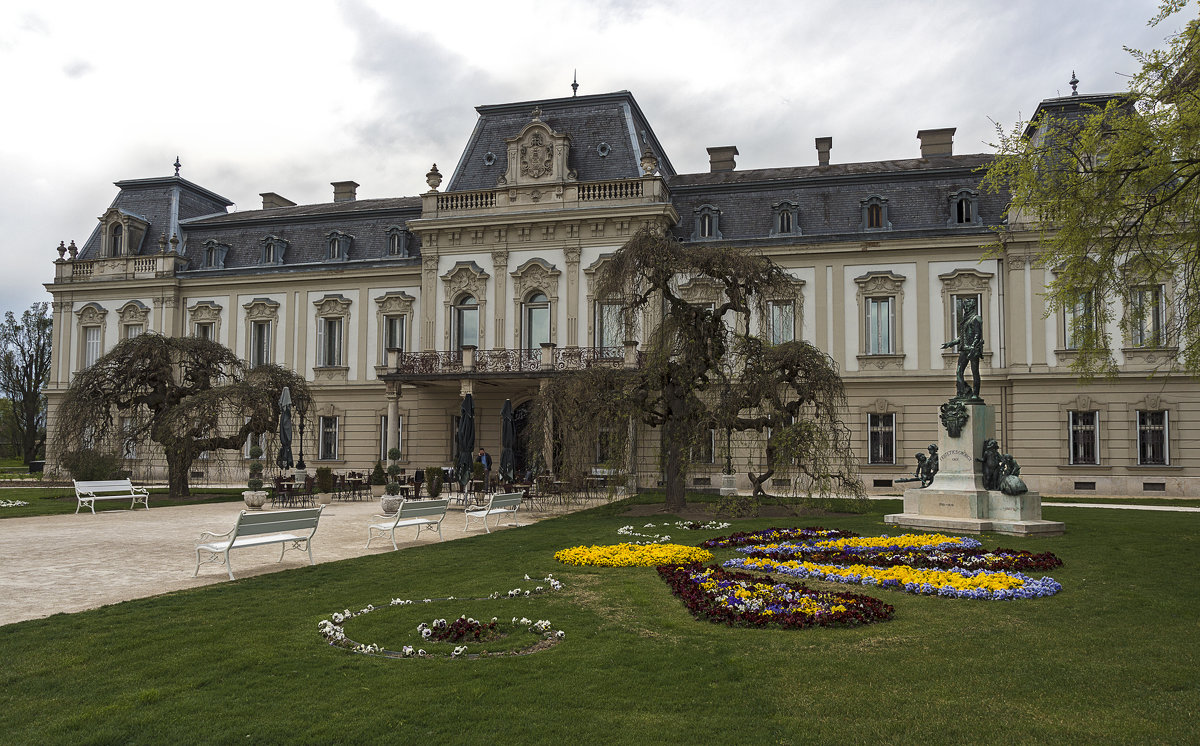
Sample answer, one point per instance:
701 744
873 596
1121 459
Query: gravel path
68 563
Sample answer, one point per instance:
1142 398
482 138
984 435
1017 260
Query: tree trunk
178 463
674 440
29 428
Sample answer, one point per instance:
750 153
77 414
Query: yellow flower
632 555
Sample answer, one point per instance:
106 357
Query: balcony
117 268
645 190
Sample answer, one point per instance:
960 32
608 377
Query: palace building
394 308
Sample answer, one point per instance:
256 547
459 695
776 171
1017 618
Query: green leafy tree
25 346
701 371
186 394
1113 191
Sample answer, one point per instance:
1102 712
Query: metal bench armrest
215 535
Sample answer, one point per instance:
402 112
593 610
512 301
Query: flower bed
740 599
775 535
632 555
938 559
439 630
663 538
13 503
956 582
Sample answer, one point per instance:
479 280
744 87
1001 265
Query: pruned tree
188 395
1114 192
24 370
700 369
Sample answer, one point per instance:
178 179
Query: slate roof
830 198
613 119
151 200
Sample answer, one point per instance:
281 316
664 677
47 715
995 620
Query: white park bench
294 527
87 493
505 503
424 514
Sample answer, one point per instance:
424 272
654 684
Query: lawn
60 500
1111 658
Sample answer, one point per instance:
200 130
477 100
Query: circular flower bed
776 535
740 599
956 582
632 555
439 630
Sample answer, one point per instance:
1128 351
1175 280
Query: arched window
874 216
466 322
964 209
706 225
785 222
537 321
335 249
114 243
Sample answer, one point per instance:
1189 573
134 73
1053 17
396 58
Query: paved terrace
68 563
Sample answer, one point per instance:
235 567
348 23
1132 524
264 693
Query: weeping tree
700 370
186 394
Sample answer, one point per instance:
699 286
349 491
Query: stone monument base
974 512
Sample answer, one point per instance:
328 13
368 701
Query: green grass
61 500
1110 659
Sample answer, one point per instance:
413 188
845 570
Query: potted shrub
390 502
255 497
433 480
324 485
378 480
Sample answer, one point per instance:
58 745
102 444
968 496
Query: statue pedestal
957 500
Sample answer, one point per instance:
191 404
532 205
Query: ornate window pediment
205 311
395 301
91 314
261 309
466 277
535 273
785 218
333 305
134 312
881 307
701 289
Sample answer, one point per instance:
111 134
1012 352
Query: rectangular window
609 329
1079 321
879 326
882 434
383 436
91 345
782 321
1085 437
203 330
328 447
329 342
260 343
1152 438
393 334
132 330
704 452
956 313
1146 305
128 445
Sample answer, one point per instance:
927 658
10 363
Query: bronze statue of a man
970 350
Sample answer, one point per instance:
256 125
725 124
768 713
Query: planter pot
389 504
324 498
377 490
254 499
729 484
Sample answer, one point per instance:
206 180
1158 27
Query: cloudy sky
284 96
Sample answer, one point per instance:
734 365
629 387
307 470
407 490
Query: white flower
560 634
458 651
422 653
527 576
407 651
338 618
426 633
525 622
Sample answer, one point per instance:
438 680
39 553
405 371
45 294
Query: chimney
344 191
271 200
721 158
824 145
936 142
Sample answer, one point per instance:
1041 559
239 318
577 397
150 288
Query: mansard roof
608 135
163 202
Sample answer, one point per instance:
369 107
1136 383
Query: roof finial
1074 81
575 83
177 164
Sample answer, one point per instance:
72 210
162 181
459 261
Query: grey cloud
77 68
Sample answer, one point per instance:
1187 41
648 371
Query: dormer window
708 223
785 219
964 208
397 242
339 245
875 214
273 248
212 255
116 234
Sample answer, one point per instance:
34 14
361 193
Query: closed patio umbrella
465 437
508 441
284 460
